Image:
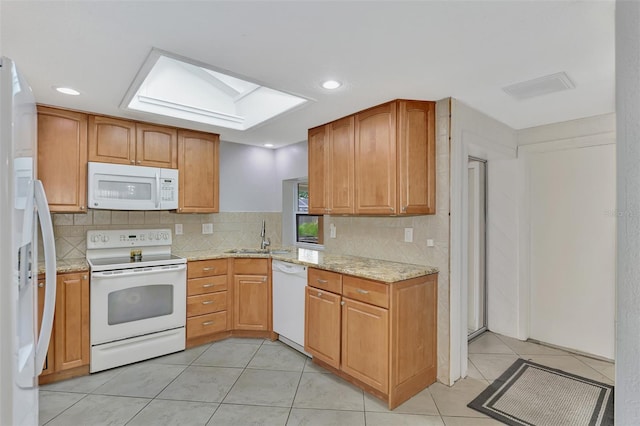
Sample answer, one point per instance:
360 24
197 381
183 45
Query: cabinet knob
404 208
84 277
391 208
81 207
319 294
138 162
133 162
342 303
40 284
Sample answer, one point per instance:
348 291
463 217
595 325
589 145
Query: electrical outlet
332 231
207 228
430 243
408 235
178 229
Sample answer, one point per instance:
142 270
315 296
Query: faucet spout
265 241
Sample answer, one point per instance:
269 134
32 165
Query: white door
476 282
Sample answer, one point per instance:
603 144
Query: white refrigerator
22 206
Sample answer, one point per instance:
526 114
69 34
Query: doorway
476 255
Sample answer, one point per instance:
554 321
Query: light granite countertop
374 269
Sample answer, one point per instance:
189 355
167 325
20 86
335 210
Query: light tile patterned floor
258 382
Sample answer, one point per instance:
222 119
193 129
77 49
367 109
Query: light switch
178 229
408 235
207 228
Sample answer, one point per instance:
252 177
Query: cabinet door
72 321
322 325
156 146
318 147
365 343
62 158
416 157
340 174
375 157
49 361
198 167
251 302
112 140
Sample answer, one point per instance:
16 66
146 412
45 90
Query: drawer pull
206 323
319 294
207 285
322 281
209 269
207 302
361 291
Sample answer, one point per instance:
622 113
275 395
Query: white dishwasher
289 282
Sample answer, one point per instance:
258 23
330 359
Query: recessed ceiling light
331 84
67 90
268 145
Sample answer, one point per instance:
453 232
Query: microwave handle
157 190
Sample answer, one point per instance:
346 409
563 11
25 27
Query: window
309 227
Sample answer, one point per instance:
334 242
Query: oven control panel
128 238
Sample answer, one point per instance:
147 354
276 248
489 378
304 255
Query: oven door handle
138 272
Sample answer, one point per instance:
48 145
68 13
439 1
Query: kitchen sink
257 251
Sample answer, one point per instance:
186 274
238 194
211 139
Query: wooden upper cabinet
198 165
375 145
112 140
416 157
156 146
341 189
318 146
62 158
380 161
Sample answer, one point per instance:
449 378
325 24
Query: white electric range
138 296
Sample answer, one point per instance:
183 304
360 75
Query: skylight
175 88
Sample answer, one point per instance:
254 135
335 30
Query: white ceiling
381 50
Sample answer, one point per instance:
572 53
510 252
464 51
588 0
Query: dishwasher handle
287 268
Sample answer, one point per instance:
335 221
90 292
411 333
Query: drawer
249 266
206 303
206 268
330 281
366 291
206 285
206 324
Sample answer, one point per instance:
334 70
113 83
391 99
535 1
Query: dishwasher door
289 282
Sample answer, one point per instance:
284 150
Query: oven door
134 302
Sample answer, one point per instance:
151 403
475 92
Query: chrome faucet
265 242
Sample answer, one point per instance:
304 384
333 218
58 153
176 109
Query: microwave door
121 192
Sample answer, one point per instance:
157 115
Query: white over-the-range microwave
123 187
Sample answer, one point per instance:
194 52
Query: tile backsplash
230 229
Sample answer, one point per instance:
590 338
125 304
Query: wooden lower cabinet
365 343
251 299
323 317
379 336
69 349
208 310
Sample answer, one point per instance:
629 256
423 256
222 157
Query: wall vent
540 86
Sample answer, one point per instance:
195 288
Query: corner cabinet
62 158
69 349
251 295
380 161
378 336
198 165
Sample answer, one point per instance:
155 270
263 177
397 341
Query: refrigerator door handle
50 276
